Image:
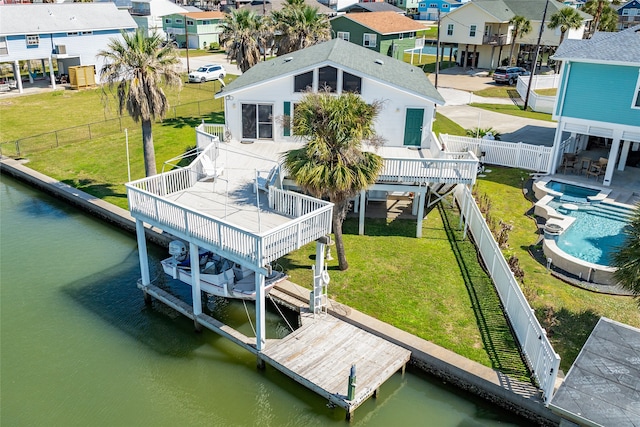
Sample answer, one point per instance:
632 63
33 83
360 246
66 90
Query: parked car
206 73
509 74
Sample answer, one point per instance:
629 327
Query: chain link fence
45 141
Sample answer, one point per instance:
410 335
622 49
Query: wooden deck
320 354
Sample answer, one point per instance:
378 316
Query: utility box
82 76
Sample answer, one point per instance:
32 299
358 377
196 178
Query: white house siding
390 122
462 18
84 47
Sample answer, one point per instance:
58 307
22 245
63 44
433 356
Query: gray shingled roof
62 17
608 47
504 10
372 7
603 385
344 54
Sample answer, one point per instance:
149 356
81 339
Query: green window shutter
287 113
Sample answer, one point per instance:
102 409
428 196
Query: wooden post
142 253
260 363
260 310
196 294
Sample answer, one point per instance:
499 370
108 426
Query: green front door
413 126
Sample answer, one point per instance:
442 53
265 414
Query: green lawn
547 92
514 110
568 313
443 124
498 91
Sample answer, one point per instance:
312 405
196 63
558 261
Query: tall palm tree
521 26
242 33
136 65
596 8
566 19
627 258
332 164
301 26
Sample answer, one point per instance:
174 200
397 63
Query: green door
413 126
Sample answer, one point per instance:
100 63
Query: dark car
508 74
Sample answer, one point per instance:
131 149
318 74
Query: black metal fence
45 141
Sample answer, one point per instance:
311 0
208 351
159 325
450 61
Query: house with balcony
198 30
432 10
482 31
149 14
70 34
386 32
598 100
377 6
628 14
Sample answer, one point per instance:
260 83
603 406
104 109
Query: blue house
69 34
599 96
628 14
428 10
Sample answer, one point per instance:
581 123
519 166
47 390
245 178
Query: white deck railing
542 359
210 129
451 168
502 153
310 217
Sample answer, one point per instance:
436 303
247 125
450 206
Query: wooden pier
319 355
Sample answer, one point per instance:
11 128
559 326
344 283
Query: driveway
214 58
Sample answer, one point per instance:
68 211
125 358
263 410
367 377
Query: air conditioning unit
61 49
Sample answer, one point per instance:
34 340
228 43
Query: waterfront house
69 33
628 14
599 96
386 32
482 31
198 29
430 10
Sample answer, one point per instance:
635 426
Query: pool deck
624 188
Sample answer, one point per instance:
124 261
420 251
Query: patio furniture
569 160
598 168
584 165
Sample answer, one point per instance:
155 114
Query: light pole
535 56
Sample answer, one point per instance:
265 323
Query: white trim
344 35
597 61
366 43
475 30
635 100
587 125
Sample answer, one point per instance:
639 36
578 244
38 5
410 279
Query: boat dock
319 355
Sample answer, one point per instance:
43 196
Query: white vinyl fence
502 153
543 361
540 103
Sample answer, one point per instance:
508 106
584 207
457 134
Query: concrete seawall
513 395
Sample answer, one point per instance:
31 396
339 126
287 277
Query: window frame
473 28
366 42
190 22
345 90
32 39
450 28
342 34
635 100
328 83
4 46
296 89
257 124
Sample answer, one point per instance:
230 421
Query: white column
626 146
29 71
196 295
260 309
18 76
554 160
52 76
361 220
318 283
420 213
613 156
142 253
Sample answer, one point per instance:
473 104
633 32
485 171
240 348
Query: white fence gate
543 361
512 154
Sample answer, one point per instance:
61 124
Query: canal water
79 347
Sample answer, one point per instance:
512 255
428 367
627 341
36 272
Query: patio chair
598 168
569 160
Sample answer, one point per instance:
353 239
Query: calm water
79 347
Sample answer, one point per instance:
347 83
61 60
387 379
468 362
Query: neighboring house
378 6
198 29
411 6
260 101
482 31
261 7
149 14
69 33
386 32
599 95
428 9
628 14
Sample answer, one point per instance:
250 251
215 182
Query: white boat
218 275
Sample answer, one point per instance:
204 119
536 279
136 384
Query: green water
78 347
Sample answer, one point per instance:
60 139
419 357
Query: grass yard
514 110
567 313
443 124
547 92
498 91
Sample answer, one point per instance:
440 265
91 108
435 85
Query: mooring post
260 363
351 392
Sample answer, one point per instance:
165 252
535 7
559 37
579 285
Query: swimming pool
572 193
596 232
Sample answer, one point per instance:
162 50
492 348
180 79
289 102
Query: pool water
596 233
572 193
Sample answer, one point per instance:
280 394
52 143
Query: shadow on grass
90 186
567 330
506 176
193 121
495 332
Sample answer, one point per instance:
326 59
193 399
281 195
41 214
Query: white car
206 73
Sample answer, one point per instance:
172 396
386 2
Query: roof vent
379 62
288 58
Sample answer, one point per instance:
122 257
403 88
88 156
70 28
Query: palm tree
627 258
242 33
521 26
566 19
136 65
301 26
596 8
332 164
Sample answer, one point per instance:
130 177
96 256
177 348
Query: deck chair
210 169
263 184
569 161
